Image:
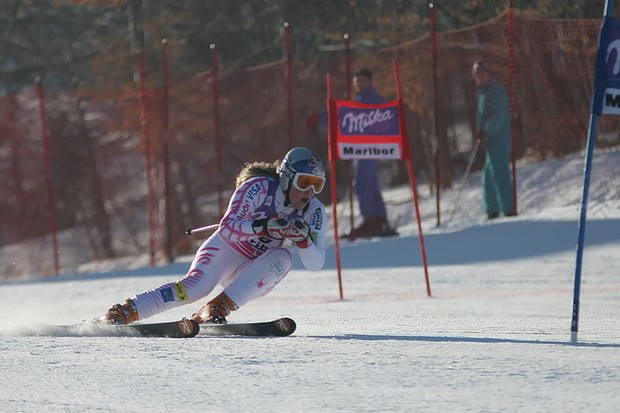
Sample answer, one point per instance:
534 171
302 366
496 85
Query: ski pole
466 174
192 231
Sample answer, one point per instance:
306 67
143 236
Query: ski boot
216 310
121 313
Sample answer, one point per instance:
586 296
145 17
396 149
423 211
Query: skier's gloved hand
275 228
299 233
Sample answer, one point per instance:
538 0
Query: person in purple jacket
272 203
367 189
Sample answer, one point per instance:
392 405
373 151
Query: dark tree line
75 43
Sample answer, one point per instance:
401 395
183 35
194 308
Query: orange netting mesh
110 151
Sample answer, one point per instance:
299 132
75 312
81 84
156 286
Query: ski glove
275 228
299 232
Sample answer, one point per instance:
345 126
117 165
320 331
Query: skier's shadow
448 339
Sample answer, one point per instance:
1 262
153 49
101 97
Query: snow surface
494 336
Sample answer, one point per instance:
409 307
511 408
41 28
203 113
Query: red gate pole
435 109
414 190
288 75
147 157
347 63
15 145
333 154
51 197
513 62
216 120
166 152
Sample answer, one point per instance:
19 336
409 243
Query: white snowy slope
494 336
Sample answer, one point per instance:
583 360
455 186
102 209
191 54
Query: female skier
271 203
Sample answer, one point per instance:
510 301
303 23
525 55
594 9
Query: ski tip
285 326
188 327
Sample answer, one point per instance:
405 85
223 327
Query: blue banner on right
606 99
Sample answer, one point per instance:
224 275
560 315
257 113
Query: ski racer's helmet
302 169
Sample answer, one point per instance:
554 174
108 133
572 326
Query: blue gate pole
609 7
574 328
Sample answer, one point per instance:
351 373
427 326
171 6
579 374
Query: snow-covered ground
493 337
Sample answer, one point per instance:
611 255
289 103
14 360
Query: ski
174 329
280 327
184 328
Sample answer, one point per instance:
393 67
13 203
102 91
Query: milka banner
606 99
368 131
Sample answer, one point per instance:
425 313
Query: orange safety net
111 151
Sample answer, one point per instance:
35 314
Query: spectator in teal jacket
494 123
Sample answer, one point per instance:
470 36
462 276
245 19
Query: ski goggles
304 182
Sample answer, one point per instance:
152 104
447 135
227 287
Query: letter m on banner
369 131
606 99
